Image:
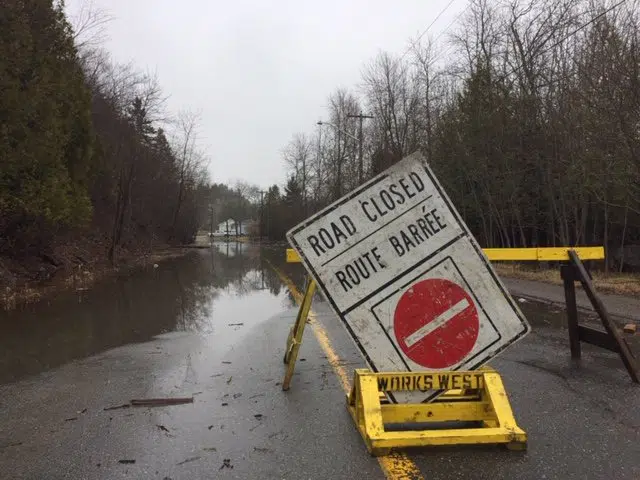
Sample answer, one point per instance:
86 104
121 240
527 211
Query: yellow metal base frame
476 397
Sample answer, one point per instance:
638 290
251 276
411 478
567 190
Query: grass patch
617 283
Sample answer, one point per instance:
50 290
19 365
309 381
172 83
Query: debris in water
303 359
84 410
13 444
630 328
127 461
117 407
226 463
210 449
163 428
261 449
190 459
210 427
224 404
256 396
227 363
235 324
522 300
230 378
159 402
258 416
70 419
237 395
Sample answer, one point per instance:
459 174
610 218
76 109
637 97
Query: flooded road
230 282
212 326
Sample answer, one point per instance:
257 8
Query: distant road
618 305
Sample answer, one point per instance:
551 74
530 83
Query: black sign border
463 226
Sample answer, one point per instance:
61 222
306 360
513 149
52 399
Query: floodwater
228 283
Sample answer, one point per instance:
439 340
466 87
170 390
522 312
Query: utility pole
211 211
339 176
361 117
338 185
261 214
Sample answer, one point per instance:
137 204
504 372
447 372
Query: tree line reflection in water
179 295
230 269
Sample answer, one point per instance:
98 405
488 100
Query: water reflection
229 281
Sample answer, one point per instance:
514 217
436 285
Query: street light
320 122
358 139
339 176
360 117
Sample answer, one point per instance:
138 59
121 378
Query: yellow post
295 335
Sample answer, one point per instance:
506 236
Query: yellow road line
397 466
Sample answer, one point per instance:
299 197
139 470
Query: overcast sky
258 72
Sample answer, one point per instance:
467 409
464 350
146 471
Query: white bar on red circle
437 322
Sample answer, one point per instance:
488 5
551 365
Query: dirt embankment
72 264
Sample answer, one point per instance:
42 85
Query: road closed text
389 198
429 224
426 225
383 205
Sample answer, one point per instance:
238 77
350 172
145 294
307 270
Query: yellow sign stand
482 402
295 334
476 397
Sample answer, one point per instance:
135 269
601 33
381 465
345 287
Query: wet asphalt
582 420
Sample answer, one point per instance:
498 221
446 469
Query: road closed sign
406 277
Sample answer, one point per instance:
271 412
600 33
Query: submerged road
225 318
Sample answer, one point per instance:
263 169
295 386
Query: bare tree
392 94
298 157
90 25
189 159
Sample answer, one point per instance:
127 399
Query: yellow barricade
475 396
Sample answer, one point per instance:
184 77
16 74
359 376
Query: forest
528 112
92 166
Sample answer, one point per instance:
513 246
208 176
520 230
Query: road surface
622 307
231 316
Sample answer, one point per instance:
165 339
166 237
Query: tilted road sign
407 278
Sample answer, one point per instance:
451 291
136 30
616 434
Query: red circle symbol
436 323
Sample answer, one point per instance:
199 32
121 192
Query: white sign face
407 278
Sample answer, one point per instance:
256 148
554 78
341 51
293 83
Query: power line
452 22
597 17
569 35
413 43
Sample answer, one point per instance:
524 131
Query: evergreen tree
45 127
